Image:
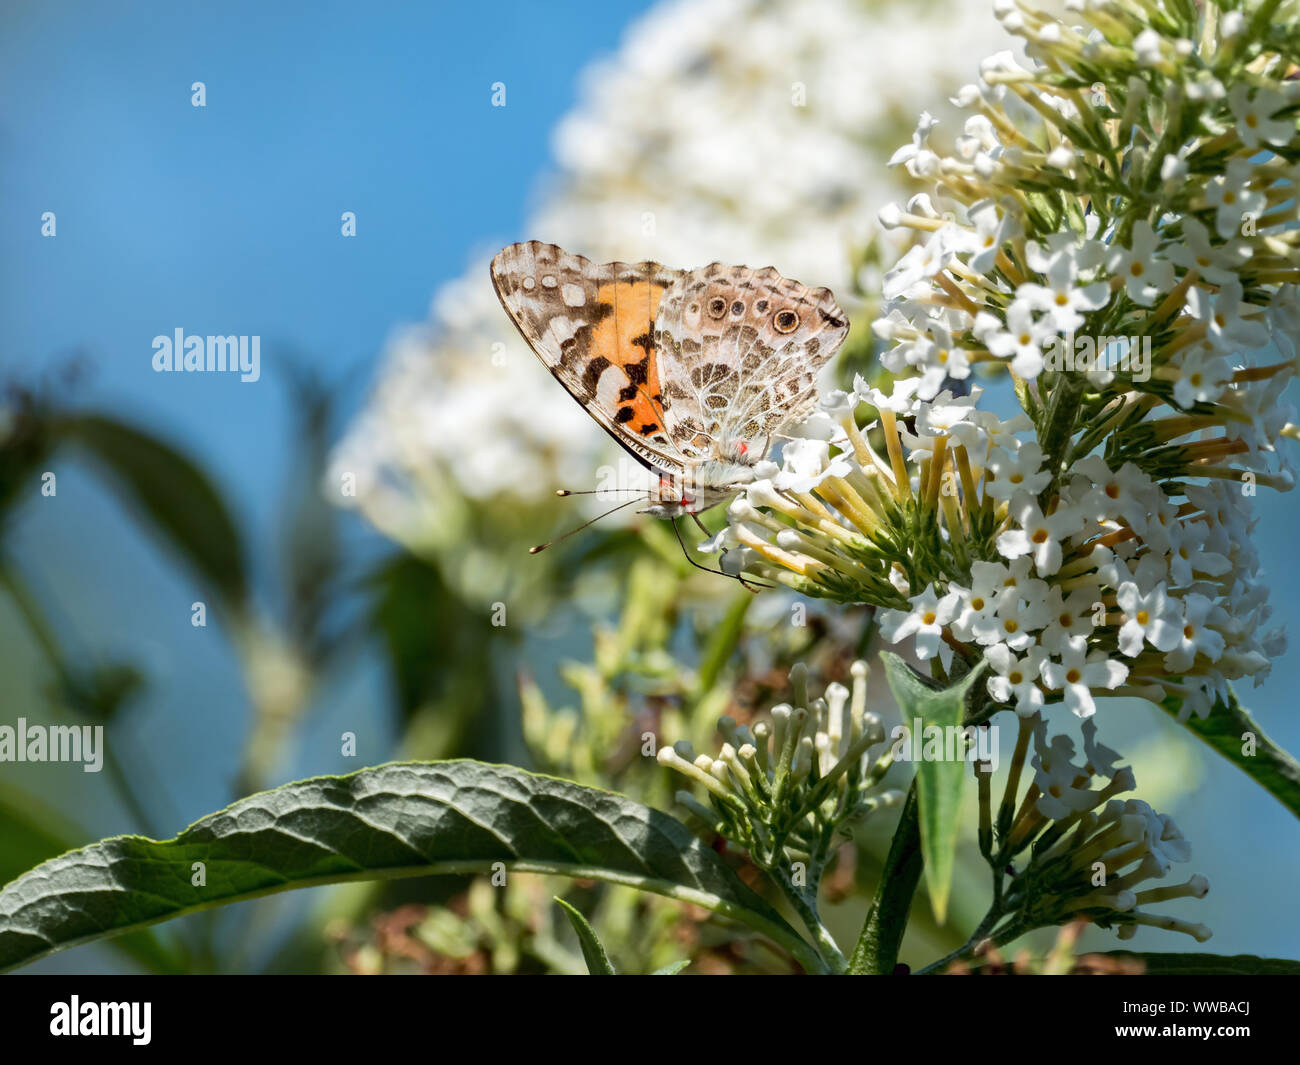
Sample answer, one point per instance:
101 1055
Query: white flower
925 622
805 463
1150 618
947 414
1203 374
1146 46
993 228
1063 297
920 160
901 399
918 264
1254 111
1284 318
1040 536
1189 555
1070 615
1021 610
938 358
1126 493
1007 473
1216 264
1016 678
1196 636
1232 198
1020 341
1226 327
1145 276
978 605
1078 673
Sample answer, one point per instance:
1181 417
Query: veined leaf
593 950
33 832
938 782
399 820
1227 728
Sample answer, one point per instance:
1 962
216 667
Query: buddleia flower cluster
1114 230
783 788
1070 848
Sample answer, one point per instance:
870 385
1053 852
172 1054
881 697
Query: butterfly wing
740 351
593 325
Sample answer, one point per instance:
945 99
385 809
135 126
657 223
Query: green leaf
673 969
938 783
404 819
1225 730
598 963
33 832
172 492
1171 964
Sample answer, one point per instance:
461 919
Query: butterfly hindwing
593 325
739 355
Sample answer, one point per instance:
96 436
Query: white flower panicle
1106 214
781 788
1067 847
1116 227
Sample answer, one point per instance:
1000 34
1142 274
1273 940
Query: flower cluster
782 788
1116 586
1068 848
1138 233
1121 253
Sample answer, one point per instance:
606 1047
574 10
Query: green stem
1058 429
882 933
807 910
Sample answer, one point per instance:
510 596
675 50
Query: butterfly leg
747 585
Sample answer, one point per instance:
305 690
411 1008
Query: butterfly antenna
585 524
749 586
563 492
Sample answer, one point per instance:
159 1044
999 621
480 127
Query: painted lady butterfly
694 372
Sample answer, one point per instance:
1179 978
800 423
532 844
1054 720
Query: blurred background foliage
356 537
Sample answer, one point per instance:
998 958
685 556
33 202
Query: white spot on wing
573 295
607 388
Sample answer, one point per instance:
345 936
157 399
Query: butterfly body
703 486
694 372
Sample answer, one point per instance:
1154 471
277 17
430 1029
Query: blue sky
226 219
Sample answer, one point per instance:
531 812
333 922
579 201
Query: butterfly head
705 485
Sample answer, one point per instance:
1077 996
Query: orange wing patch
625 338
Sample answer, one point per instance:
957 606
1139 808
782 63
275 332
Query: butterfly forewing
593 325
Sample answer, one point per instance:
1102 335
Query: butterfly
694 372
